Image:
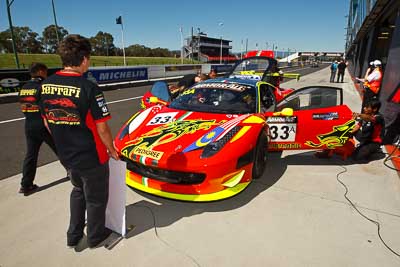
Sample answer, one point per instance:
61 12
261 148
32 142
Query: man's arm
106 137
365 117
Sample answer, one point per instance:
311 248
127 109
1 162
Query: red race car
266 70
213 139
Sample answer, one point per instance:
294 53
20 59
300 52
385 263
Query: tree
102 44
49 37
26 40
161 52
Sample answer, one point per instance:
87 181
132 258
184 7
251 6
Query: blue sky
308 25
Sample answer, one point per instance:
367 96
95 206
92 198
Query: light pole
180 29
241 50
106 43
12 32
220 55
55 21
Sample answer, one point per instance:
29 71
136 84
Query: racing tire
260 156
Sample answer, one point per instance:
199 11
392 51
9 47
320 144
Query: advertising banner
104 76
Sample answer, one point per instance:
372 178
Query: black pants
367 97
332 78
90 193
365 150
340 76
34 139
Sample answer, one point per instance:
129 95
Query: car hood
159 131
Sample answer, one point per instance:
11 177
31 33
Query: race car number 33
282 132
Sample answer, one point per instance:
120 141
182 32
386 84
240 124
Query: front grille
172 177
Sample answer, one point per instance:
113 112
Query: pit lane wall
11 81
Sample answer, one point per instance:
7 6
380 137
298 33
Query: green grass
7 61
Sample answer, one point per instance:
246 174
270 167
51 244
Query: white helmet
377 63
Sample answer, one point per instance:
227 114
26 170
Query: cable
390 157
359 212
163 241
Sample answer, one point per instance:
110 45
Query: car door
312 117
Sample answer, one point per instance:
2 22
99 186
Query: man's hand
355 115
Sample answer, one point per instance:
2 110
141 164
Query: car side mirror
288 112
153 99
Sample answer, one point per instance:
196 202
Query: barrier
11 81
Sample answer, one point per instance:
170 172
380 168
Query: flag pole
123 46
119 21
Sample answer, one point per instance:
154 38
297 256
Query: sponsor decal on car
142 151
335 138
325 116
284 146
229 86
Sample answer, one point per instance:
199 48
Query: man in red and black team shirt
368 131
35 131
76 113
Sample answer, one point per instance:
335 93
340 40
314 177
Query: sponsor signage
102 76
182 68
221 68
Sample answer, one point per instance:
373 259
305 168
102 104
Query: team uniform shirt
72 105
29 96
374 76
371 131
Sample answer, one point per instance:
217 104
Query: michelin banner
104 76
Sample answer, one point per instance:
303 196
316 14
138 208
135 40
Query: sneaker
74 243
103 241
27 190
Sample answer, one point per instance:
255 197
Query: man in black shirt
341 67
35 131
76 113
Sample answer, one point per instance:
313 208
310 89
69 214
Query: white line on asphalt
12 120
111 102
122 100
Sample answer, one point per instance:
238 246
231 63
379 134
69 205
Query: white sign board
115 212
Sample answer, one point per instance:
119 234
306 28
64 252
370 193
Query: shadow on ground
156 212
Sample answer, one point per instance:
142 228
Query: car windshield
226 98
251 66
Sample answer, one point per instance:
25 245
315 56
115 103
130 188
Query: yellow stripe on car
226 193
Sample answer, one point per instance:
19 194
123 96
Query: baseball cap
371 63
377 63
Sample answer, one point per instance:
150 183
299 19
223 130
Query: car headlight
124 132
212 148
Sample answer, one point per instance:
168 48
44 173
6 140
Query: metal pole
241 50
123 46
106 41
12 32
180 29
220 55
198 44
55 21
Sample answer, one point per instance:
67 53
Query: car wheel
260 156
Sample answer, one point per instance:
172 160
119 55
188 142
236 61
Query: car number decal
283 132
162 118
